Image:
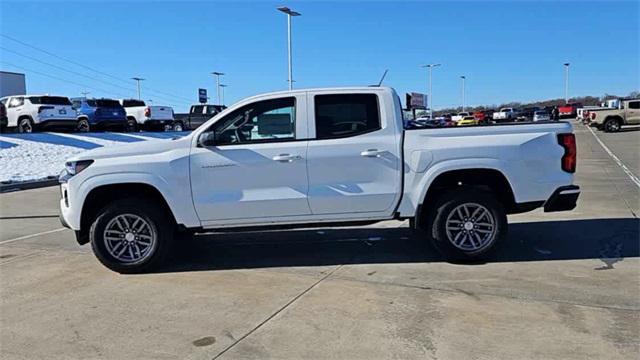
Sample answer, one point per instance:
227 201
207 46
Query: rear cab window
346 115
132 103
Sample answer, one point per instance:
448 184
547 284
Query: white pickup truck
311 158
505 114
141 116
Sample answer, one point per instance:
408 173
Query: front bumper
565 198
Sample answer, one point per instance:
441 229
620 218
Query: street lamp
138 79
217 75
463 79
566 83
289 13
430 66
222 86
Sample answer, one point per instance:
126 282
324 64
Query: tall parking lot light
566 83
222 86
463 79
138 79
289 13
217 75
430 66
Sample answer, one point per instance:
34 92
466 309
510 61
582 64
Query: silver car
541 116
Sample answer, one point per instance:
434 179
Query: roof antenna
381 79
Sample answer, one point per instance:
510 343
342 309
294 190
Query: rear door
633 112
354 154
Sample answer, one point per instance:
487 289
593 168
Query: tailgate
161 112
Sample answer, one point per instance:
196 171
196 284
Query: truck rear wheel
467 224
612 125
132 125
131 236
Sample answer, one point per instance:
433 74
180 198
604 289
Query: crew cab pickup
612 120
198 115
141 116
312 158
505 114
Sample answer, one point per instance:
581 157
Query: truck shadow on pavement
610 240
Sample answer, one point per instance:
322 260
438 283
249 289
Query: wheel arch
100 196
486 178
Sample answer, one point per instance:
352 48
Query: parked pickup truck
198 115
505 114
612 120
312 158
141 116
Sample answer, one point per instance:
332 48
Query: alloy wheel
470 227
129 238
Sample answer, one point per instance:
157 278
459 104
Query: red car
569 110
484 116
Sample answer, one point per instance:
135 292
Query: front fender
178 199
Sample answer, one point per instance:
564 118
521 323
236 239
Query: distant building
12 84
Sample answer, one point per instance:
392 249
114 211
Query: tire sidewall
611 125
447 203
87 127
27 121
132 125
150 213
176 125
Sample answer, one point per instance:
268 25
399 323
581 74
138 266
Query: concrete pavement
564 286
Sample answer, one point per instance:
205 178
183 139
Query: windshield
50 100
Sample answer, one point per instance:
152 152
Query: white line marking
629 173
30 236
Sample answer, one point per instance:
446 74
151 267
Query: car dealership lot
565 285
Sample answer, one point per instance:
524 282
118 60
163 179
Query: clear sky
508 50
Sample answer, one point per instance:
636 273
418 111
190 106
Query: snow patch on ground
38 156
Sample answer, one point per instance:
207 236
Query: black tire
132 125
26 125
445 209
612 125
177 126
161 229
83 125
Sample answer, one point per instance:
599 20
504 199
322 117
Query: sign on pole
202 96
416 100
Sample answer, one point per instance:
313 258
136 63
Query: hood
133 149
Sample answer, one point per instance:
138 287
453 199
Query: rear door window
50 100
346 115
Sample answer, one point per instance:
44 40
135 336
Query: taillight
593 115
147 112
569 158
42 108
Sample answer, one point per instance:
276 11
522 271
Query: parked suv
31 113
96 114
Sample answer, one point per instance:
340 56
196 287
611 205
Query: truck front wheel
612 125
131 236
467 223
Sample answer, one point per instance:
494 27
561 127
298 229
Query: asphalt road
564 286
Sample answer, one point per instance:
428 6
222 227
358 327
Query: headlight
76 167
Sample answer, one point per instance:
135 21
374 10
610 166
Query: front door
256 169
633 112
354 160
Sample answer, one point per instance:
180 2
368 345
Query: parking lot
563 286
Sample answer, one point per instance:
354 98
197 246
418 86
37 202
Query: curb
10 187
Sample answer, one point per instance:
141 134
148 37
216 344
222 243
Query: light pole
430 66
138 79
222 86
566 83
463 79
289 13
217 75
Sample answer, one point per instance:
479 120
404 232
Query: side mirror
207 138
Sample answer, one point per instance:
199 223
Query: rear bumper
565 198
105 123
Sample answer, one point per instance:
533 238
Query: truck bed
527 153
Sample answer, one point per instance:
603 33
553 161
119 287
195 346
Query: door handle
286 157
370 153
